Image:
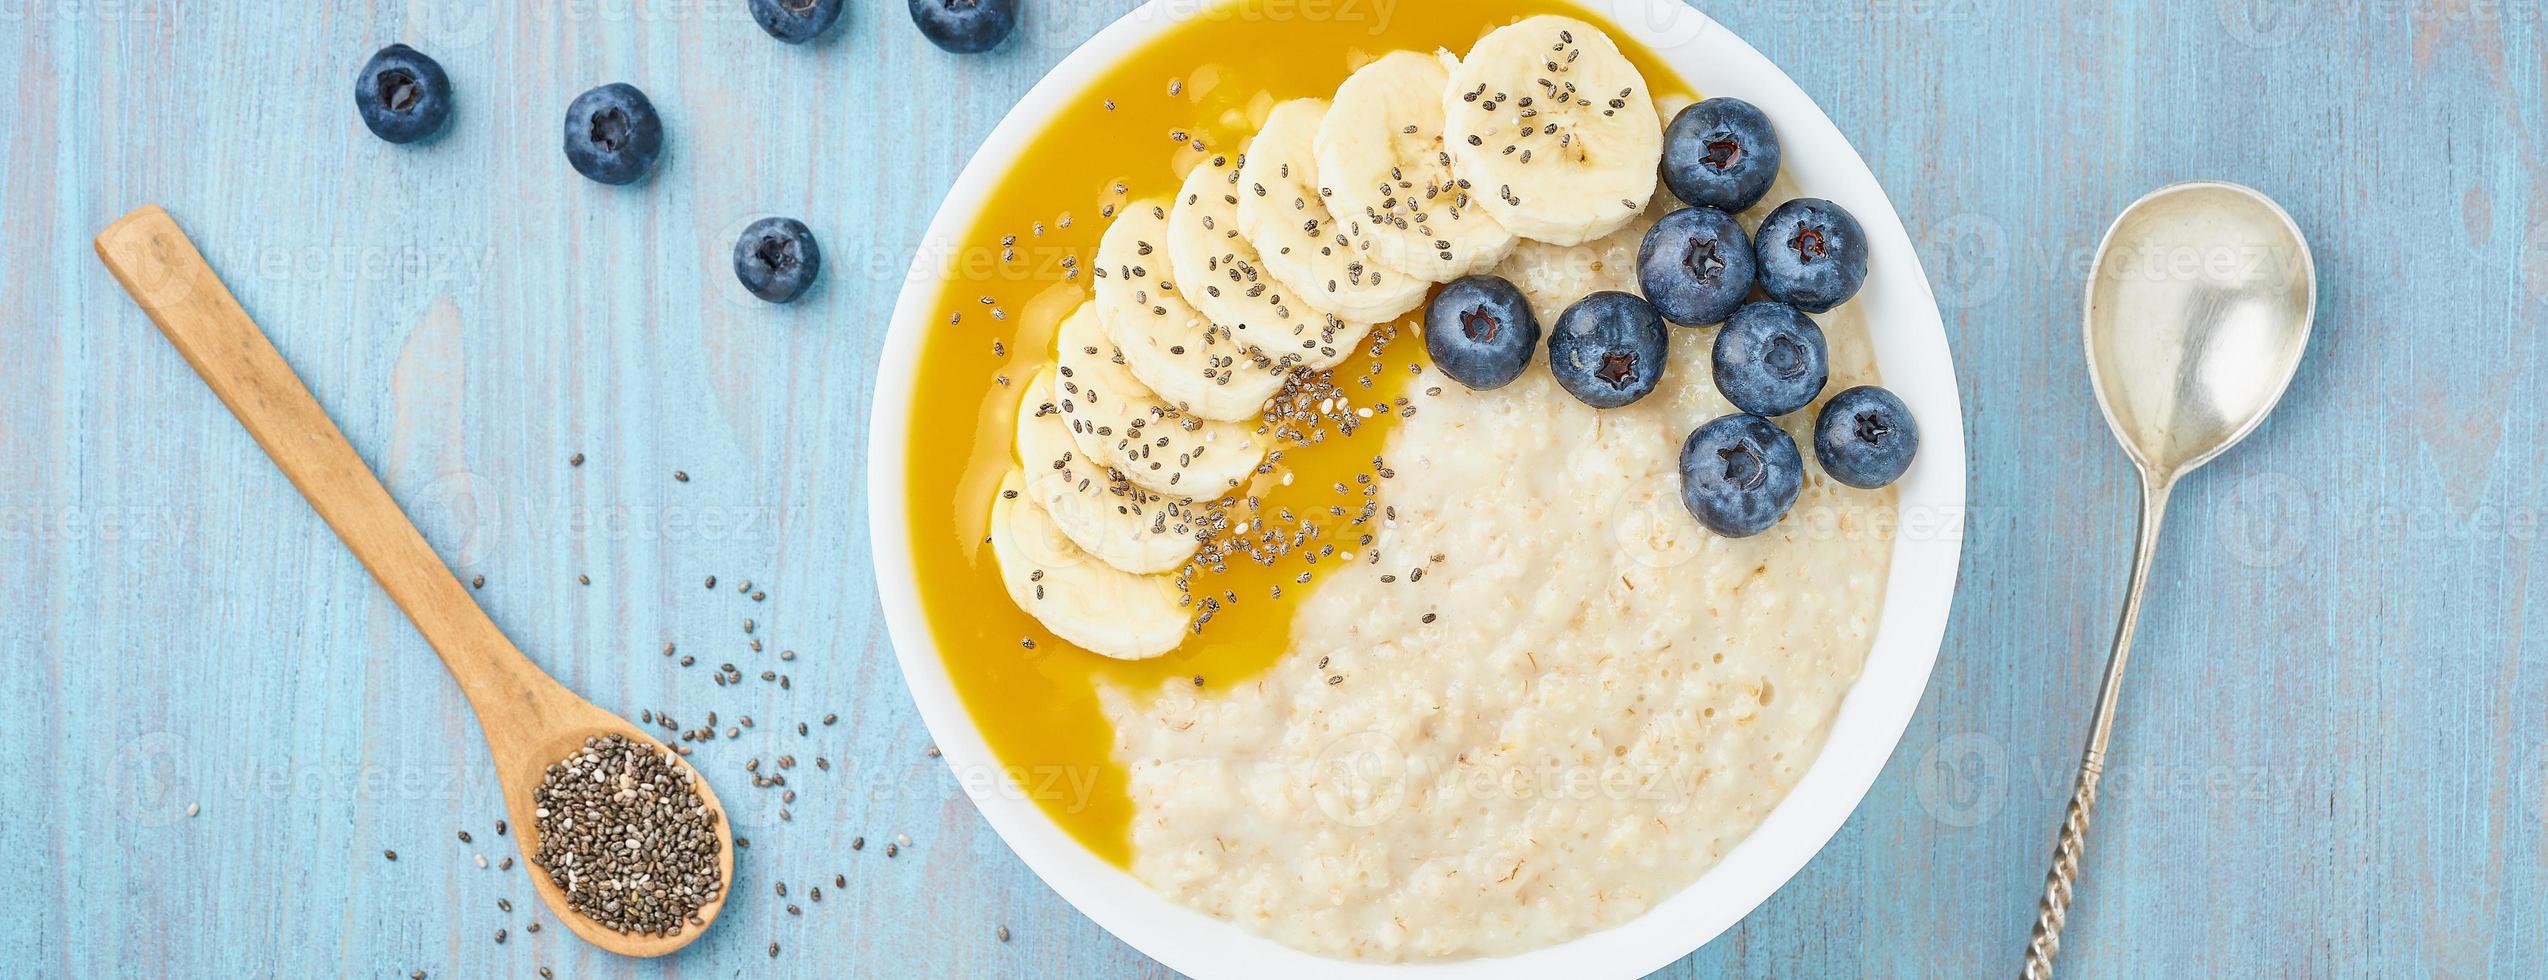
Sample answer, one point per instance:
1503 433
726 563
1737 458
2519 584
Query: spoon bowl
562 735
2200 305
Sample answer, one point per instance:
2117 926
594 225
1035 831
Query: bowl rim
1911 350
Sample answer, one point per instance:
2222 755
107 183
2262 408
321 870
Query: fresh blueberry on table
1812 255
1696 266
1770 359
1721 153
402 94
1866 438
777 259
1740 475
795 21
1481 332
965 26
1608 349
613 134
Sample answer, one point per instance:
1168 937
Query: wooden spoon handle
168 277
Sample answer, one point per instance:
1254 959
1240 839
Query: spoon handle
169 279
2070 843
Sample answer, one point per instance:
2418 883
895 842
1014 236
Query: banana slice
1118 422
1169 346
1123 525
1387 171
1284 216
1225 279
1100 608
1556 128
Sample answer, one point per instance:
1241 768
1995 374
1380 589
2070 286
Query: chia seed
628 839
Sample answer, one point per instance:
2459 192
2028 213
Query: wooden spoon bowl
521 777
530 720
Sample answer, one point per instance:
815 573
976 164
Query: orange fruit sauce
1211 78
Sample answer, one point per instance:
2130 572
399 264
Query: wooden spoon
530 720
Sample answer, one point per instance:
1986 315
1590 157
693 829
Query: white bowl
1911 351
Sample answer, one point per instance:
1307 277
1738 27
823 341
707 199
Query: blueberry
1721 153
1770 360
403 95
1696 266
1480 331
1812 255
1608 349
613 134
1740 475
1866 437
777 259
795 21
965 26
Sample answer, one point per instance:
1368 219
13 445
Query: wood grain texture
2332 759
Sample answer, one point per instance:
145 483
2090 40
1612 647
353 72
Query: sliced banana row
1083 544
1340 215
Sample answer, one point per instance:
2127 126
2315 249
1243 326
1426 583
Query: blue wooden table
2333 759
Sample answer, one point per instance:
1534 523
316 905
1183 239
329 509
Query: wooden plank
2331 761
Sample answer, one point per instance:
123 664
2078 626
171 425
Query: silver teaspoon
2198 309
